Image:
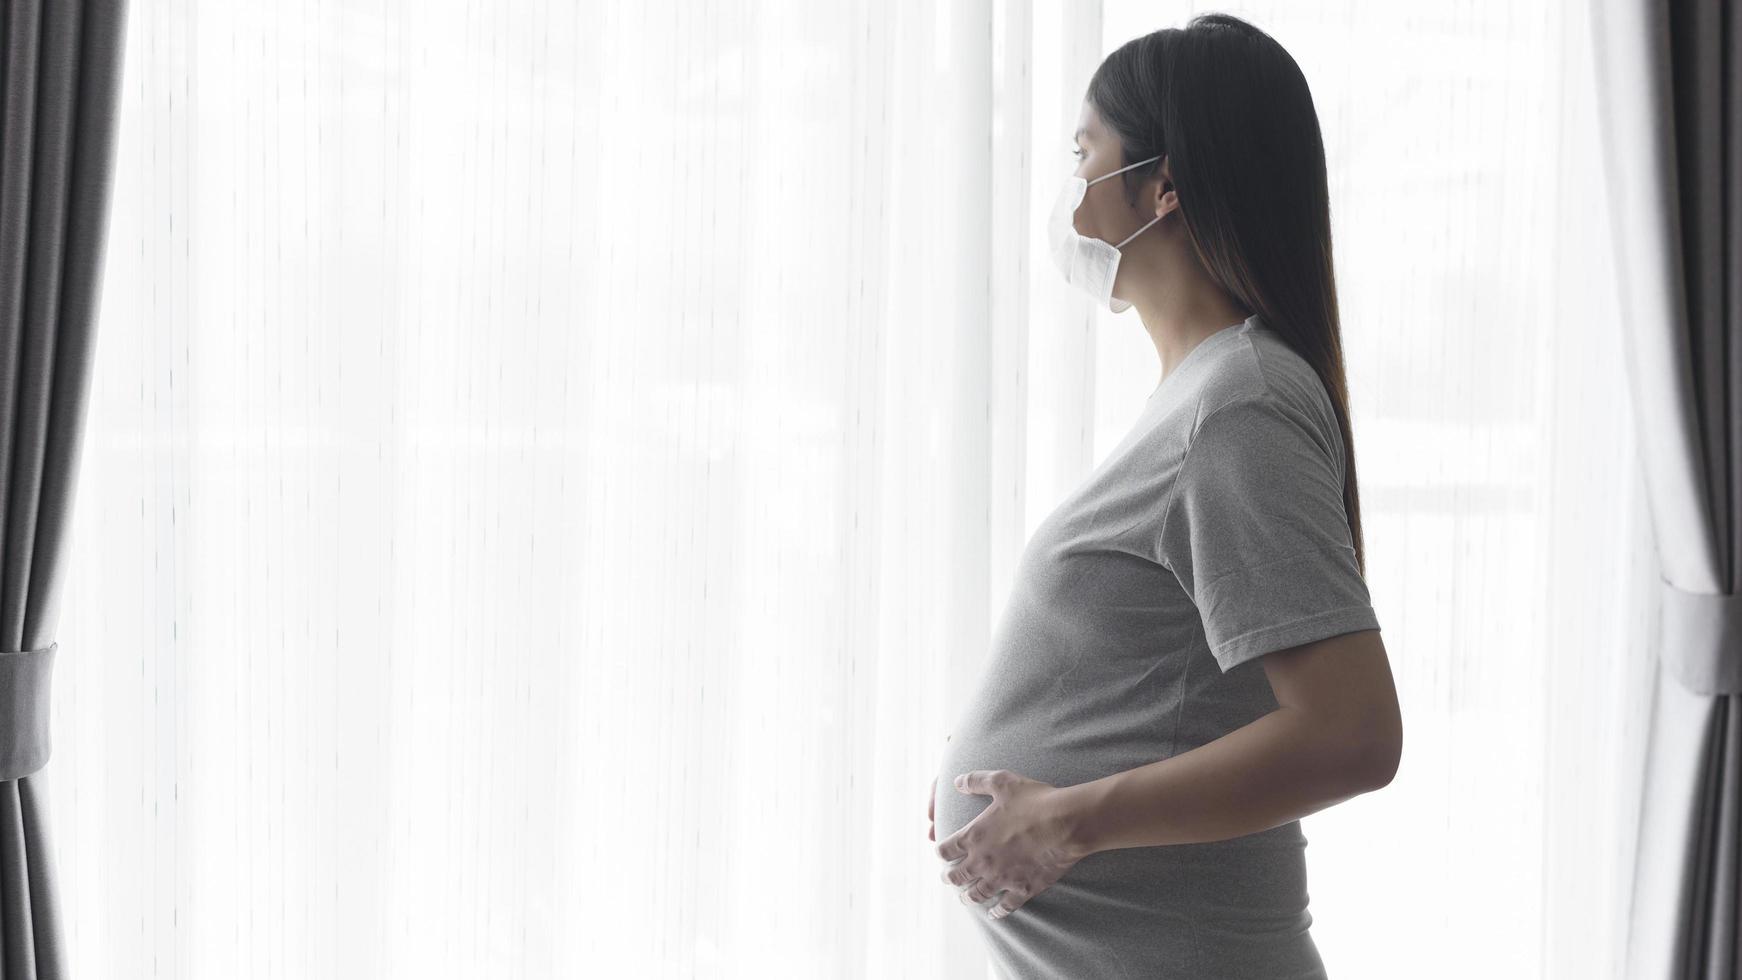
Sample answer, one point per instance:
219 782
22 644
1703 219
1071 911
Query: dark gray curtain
1669 75
61 79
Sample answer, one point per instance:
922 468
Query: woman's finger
931 811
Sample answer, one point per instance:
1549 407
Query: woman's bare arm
1336 735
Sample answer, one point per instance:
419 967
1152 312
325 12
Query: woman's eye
1077 152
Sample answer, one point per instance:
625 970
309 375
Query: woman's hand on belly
1019 845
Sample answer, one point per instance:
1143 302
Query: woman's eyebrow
1079 134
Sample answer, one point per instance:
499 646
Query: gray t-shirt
1214 533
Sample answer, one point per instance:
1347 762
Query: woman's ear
1166 198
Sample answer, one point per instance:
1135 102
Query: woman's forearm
1280 767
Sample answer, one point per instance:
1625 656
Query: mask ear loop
1120 171
1139 231
1127 167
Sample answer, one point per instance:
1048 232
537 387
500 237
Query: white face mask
1087 263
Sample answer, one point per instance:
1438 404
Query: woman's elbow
1381 755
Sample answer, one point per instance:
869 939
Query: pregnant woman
1188 662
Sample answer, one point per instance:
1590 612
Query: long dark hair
1231 111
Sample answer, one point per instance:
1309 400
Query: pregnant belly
952 809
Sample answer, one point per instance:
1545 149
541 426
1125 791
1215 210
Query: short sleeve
1256 532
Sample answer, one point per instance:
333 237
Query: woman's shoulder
1261 380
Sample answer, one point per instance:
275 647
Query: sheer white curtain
552 471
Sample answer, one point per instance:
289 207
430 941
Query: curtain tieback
24 678
1702 639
